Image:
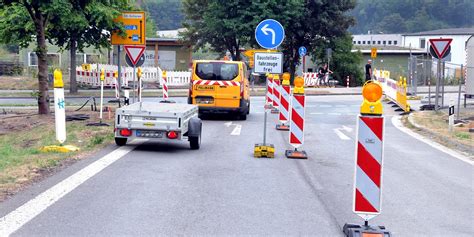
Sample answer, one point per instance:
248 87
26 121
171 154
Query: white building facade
458 45
378 39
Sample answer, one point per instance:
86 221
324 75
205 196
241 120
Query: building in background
460 36
377 40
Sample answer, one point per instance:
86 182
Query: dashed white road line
398 124
23 214
341 135
334 113
237 130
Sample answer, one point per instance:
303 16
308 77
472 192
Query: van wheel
243 116
120 141
195 142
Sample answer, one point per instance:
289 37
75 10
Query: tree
84 23
167 15
22 19
221 24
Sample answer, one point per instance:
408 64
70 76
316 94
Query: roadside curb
459 147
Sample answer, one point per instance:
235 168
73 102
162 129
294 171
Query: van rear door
218 84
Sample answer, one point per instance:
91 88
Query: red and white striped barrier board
297 120
368 167
276 94
284 104
215 83
310 78
165 88
269 91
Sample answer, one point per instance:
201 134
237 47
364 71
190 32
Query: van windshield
217 71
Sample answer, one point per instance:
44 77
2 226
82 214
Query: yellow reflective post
58 79
139 72
372 93
115 74
299 85
102 74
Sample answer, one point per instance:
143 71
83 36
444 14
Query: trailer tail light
125 132
172 135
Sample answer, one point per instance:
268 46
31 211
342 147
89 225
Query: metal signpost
135 29
439 49
302 52
134 54
269 34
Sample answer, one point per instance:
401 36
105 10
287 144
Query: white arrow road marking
237 129
341 135
23 214
347 129
228 124
267 30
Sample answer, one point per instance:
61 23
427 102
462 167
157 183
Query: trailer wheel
120 141
195 142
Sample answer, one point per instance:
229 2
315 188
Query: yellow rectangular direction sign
373 53
134 24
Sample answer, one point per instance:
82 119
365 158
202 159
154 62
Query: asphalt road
167 189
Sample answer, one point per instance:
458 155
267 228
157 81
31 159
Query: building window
358 42
378 42
390 42
384 42
53 59
92 58
353 42
422 43
395 42
373 42
363 42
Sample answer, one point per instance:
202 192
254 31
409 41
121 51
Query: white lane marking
341 135
398 124
317 113
23 214
347 129
228 124
237 129
334 113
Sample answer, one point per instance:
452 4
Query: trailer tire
194 133
120 141
195 142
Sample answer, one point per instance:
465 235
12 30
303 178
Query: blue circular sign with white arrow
302 51
269 34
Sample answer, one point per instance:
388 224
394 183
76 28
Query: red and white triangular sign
134 52
440 46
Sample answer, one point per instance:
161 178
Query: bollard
139 76
296 135
451 115
165 86
276 94
59 116
367 189
347 82
284 103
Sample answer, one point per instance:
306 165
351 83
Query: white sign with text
268 63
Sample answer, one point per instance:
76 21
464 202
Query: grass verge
21 161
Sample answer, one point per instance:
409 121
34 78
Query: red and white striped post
347 82
368 166
276 94
297 121
284 103
269 93
165 86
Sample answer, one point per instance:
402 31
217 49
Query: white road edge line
237 129
341 135
398 124
23 214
